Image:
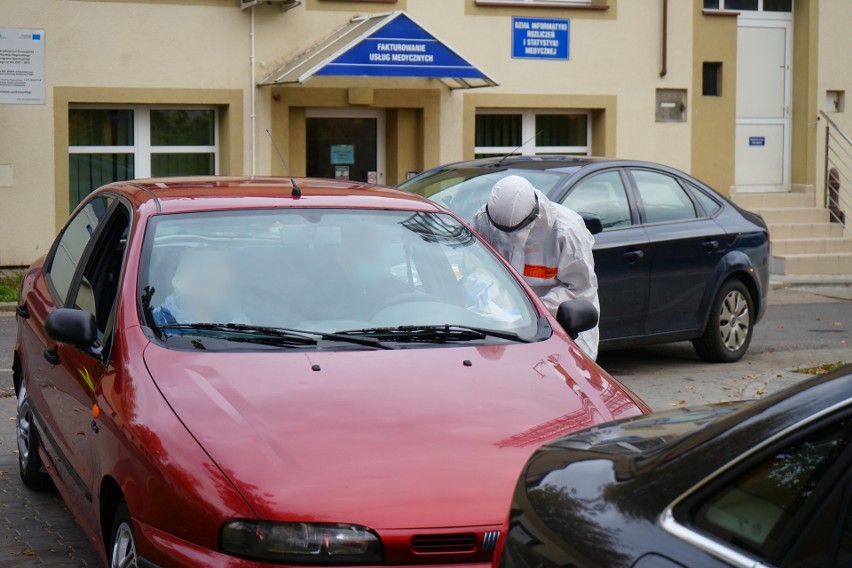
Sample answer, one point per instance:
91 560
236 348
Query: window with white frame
538 2
112 143
750 5
531 132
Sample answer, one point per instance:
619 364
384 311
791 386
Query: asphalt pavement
802 328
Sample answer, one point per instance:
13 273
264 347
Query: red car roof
178 195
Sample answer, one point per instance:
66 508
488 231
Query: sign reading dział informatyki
541 38
21 66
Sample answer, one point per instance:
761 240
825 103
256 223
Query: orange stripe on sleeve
545 272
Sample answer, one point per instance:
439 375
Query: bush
10 284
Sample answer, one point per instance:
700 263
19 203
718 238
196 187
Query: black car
766 483
675 260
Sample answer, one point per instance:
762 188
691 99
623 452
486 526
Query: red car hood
412 438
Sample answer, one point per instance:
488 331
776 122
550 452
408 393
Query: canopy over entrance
383 45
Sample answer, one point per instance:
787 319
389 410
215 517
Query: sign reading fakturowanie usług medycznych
21 66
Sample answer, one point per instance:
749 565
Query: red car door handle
633 255
710 246
51 356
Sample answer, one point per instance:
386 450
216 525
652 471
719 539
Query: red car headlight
301 543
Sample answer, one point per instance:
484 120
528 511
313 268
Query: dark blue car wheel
730 325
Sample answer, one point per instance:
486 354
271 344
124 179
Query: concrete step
793 215
783 231
833 263
781 247
753 201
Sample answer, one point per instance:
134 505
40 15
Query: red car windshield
327 271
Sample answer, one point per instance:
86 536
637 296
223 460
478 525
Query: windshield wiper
273 335
433 333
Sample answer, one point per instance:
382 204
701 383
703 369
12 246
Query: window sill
596 7
728 13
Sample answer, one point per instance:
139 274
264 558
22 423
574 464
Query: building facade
728 90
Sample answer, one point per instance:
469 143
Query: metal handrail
835 127
838 173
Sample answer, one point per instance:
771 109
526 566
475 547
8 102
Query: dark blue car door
684 248
621 251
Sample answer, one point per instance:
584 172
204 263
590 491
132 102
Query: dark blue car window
664 199
710 205
604 195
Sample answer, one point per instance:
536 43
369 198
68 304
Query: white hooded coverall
553 252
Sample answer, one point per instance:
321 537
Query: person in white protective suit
547 243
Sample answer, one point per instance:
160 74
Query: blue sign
401 48
757 140
541 38
342 154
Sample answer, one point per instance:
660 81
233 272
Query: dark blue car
675 260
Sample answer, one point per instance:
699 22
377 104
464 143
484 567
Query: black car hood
645 434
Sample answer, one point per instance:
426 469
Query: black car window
72 243
604 195
825 539
755 510
710 205
663 197
844 547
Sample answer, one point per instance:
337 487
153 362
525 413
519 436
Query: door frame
378 114
783 21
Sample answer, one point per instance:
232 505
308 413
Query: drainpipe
665 33
253 95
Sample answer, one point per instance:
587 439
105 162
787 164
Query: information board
401 48
541 38
21 66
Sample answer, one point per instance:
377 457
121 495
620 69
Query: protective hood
513 204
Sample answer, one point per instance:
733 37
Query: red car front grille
443 543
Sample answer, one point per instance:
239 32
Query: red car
245 372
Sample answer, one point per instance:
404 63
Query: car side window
844 547
98 286
603 195
664 199
72 244
710 205
756 510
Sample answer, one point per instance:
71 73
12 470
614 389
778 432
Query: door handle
632 256
22 311
51 356
710 245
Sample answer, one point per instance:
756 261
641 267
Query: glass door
346 144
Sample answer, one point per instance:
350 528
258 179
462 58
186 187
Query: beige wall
197 51
99 46
714 117
833 44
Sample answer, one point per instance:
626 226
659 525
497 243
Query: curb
810 280
8 306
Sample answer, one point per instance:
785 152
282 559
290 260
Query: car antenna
296 192
524 143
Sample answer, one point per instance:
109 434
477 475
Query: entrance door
346 144
764 56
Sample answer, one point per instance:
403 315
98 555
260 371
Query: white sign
21 66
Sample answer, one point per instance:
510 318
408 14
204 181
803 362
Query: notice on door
540 38
757 140
21 66
342 154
